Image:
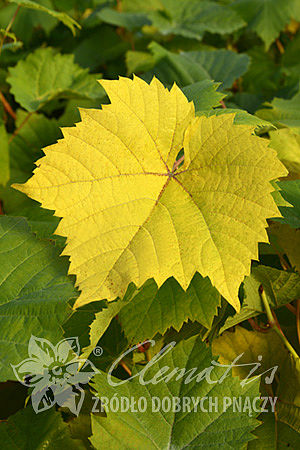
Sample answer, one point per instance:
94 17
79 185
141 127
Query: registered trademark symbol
98 351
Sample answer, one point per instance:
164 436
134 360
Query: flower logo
55 373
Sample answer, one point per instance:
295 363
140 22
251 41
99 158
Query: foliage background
227 56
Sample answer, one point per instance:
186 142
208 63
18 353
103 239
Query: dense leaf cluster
237 57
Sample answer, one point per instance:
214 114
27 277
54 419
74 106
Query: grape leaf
287 240
139 62
149 310
27 430
45 75
223 66
290 191
263 76
287 145
168 306
185 68
130 215
281 287
283 112
34 291
290 60
169 429
243 118
270 347
273 433
127 20
191 18
250 344
203 94
63 17
24 148
266 17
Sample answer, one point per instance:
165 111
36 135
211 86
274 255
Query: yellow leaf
129 215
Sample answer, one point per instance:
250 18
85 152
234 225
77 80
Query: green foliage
180 429
45 430
4 156
34 291
267 17
44 76
185 68
236 57
64 18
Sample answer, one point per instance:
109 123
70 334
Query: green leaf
139 62
281 287
223 66
127 20
87 53
290 59
8 34
250 344
62 17
266 17
141 5
283 112
34 291
169 429
273 434
290 191
185 68
264 75
27 430
150 310
203 94
24 149
37 132
4 156
287 145
243 118
153 310
286 240
46 75
191 18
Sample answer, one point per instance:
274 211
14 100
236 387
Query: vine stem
291 308
126 368
7 106
21 126
298 318
274 324
256 327
177 163
279 46
9 27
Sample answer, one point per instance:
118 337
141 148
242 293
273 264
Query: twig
283 262
126 368
256 327
274 323
9 27
298 319
279 46
7 106
291 308
20 126
223 104
119 6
